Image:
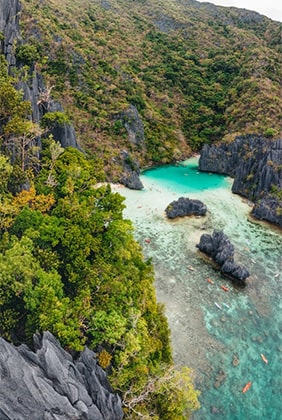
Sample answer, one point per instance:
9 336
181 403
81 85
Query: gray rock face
49 384
131 120
133 124
131 171
131 180
219 247
9 26
185 206
269 209
64 133
256 166
34 88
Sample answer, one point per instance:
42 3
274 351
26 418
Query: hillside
69 263
125 84
195 72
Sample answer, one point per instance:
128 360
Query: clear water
184 177
223 346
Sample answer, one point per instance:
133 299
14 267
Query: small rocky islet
185 206
219 247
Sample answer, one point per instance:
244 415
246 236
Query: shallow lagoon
223 346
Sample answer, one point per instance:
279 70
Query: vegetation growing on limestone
196 73
68 259
69 264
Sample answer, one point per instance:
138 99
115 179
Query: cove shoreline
195 322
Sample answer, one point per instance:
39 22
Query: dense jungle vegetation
196 73
69 263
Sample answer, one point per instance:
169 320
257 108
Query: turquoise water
184 177
223 346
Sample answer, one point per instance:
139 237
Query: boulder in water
219 247
185 206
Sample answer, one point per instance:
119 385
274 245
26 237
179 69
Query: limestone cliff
33 87
9 26
255 163
35 91
50 384
131 121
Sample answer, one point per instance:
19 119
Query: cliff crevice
49 383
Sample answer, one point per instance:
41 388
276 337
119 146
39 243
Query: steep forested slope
143 80
69 264
196 73
68 260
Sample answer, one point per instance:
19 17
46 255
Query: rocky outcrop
133 124
219 247
185 206
130 172
49 384
33 89
9 27
65 132
130 120
131 180
270 209
255 163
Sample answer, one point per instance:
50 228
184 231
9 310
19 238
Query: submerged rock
236 360
215 410
219 247
219 379
185 206
50 384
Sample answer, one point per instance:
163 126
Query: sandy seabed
222 346
181 280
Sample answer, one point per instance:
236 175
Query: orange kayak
264 358
209 281
247 386
224 288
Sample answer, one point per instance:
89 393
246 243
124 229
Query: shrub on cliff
69 264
